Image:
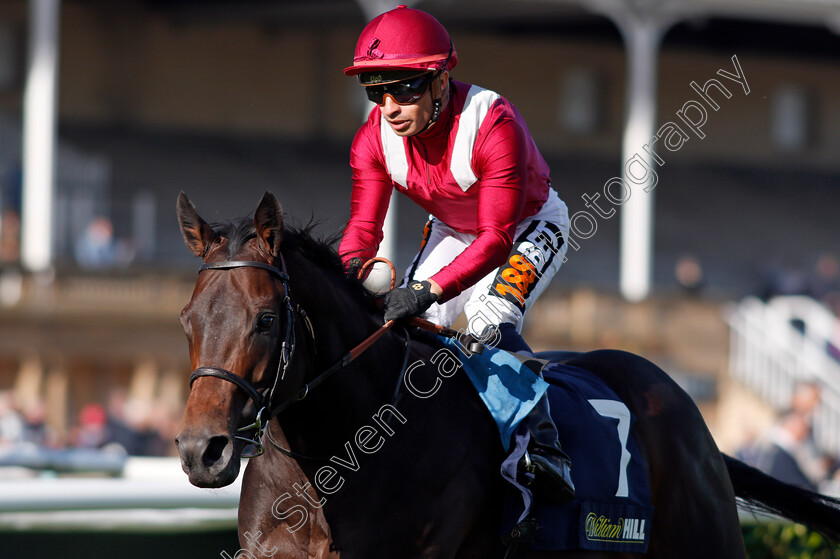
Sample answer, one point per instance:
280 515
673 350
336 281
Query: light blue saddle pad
508 389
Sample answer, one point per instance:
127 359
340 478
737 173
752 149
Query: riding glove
352 268
411 300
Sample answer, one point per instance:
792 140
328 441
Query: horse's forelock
237 232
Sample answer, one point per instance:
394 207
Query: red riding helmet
403 39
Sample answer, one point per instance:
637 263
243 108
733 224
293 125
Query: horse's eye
265 321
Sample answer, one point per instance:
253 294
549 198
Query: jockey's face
408 120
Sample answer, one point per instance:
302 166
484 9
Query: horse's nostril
214 450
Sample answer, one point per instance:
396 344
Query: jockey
496 232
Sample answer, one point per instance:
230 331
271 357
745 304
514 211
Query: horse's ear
198 235
268 220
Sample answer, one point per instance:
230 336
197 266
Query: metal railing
152 494
787 340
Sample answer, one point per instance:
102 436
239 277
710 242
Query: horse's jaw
209 462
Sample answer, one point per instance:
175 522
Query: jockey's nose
389 106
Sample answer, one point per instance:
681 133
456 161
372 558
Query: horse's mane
296 239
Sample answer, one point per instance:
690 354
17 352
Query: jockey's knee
485 311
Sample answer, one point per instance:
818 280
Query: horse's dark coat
428 486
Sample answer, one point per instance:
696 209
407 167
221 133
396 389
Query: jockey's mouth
399 125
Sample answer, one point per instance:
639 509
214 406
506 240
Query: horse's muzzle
207 459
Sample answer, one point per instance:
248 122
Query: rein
263 400
359 349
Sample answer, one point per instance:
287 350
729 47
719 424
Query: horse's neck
340 322
338 317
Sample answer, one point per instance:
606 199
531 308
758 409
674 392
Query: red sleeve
370 198
500 163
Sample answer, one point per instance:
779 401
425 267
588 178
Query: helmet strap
437 100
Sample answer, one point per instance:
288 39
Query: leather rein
263 400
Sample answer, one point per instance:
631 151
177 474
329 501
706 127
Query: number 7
617 410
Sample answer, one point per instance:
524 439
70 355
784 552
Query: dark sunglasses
403 92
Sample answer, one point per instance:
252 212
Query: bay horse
270 325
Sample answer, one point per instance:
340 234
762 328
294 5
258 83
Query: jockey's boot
509 339
545 458
549 464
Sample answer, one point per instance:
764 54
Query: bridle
263 400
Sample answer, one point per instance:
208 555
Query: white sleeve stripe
478 103
394 150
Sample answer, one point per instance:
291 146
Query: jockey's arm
501 165
369 202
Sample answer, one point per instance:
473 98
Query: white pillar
642 37
642 25
39 117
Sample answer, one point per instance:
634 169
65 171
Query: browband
228 264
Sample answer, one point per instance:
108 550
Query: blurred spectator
779 455
11 204
10 237
805 399
824 285
11 285
35 429
12 193
11 422
689 274
142 420
747 451
90 431
166 424
118 431
788 451
121 430
785 278
131 425
96 247
833 345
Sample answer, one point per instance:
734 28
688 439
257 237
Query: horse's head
240 327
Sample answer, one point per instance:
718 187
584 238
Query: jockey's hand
352 268
411 300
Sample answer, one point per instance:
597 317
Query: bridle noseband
262 400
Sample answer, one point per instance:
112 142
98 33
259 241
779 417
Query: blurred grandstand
225 99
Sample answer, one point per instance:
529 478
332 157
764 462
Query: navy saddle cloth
612 510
